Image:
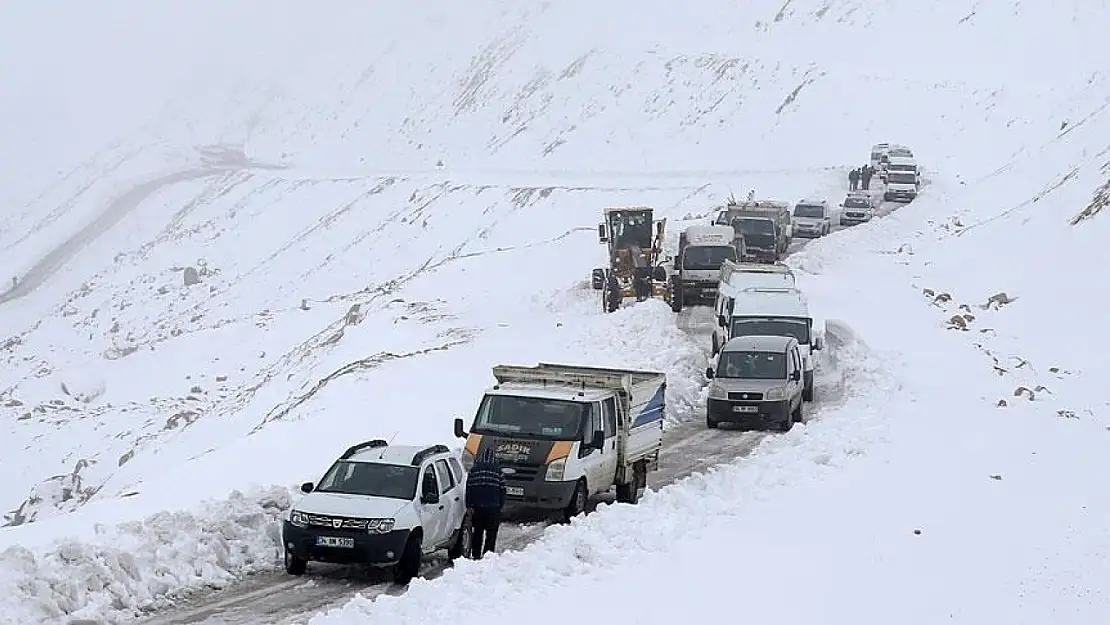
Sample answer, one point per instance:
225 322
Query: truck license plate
514 491
745 408
335 541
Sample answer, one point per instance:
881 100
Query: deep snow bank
123 571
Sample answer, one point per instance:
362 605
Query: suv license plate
745 408
514 491
335 541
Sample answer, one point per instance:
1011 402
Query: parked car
380 505
812 218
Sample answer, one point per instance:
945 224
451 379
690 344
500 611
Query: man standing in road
853 179
865 176
485 497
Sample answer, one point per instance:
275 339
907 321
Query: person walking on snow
853 179
865 176
485 497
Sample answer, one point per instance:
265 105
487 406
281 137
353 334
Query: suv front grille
323 520
745 396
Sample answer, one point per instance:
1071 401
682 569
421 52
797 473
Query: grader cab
635 257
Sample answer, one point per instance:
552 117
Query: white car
812 218
382 506
857 208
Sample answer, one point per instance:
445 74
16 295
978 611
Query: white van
769 311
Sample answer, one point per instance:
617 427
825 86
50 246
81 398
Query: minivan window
752 365
707 257
755 225
809 210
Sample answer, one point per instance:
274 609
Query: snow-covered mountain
245 234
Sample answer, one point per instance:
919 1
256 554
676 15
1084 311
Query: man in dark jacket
485 497
853 179
865 176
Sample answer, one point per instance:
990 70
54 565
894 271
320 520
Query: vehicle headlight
467 459
775 393
716 392
380 526
556 470
298 519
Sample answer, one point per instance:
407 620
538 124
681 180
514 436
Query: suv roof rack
428 451
354 449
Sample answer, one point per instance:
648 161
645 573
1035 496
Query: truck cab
565 433
697 266
904 164
765 225
901 186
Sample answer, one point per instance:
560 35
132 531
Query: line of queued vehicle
564 434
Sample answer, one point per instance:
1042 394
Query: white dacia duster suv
382 506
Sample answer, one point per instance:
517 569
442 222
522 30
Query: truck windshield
706 257
809 210
901 177
392 481
532 417
752 365
796 328
755 225
901 167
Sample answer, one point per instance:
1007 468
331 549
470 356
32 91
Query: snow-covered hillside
248 233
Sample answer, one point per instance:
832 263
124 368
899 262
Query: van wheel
577 503
807 393
295 565
710 423
409 566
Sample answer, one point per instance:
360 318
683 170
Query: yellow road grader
636 264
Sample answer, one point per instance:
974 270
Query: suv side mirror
460 432
307 487
598 440
721 321
709 373
601 235
797 375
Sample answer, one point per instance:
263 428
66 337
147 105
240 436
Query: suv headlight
380 526
298 519
775 393
556 471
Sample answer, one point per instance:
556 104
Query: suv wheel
462 542
294 565
409 566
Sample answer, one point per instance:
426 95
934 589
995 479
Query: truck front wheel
577 503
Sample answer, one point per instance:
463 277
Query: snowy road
278 598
